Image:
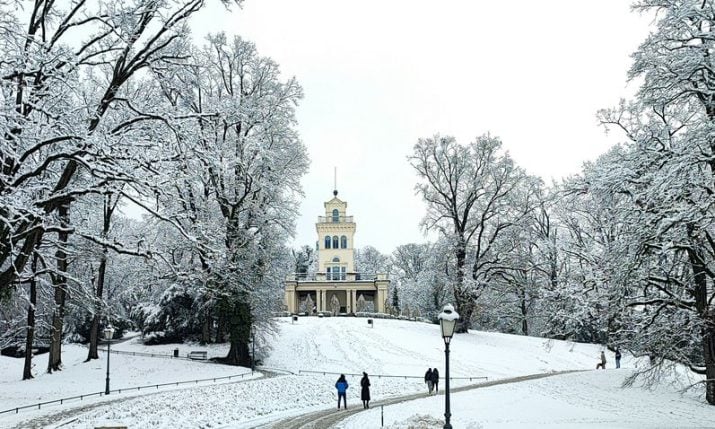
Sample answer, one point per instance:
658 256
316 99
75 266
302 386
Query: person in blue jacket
342 386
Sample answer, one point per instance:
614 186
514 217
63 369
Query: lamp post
447 322
108 335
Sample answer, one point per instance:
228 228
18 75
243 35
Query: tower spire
335 181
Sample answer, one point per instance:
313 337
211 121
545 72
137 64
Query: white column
347 301
318 298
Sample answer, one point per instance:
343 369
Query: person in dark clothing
342 386
428 380
618 358
435 380
602 364
365 391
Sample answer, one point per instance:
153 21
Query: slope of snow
78 377
586 400
403 350
409 348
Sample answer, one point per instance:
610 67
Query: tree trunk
524 314
462 299
700 291
94 329
109 207
206 327
239 320
60 284
239 354
221 328
55 355
93 339
465 307
709 351
27 370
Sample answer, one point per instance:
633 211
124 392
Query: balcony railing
335 219
345 277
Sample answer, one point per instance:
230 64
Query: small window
342 273
328 273
336 259
336 244
336 215
327 242
343 242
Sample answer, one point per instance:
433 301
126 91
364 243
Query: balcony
333 277
336 219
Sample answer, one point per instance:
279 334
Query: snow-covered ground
79 377
584 400
349 345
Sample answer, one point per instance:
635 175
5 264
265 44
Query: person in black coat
435 380
428 380
365 392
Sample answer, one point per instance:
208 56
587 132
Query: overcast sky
379 74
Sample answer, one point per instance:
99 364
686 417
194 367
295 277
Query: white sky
379 74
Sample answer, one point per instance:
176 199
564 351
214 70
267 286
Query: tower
335 240
335 289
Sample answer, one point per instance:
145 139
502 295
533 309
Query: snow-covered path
330 418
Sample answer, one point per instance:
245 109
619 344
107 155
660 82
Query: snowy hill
394 348
409 348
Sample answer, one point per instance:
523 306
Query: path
327 419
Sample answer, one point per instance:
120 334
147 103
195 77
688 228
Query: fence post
382 415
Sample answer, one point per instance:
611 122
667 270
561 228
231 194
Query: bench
198 355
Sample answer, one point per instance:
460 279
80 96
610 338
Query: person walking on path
342 386
365 391
435 380
602 365
618 358
428 380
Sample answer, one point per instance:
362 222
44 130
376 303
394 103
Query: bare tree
469 191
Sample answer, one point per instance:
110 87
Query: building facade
337 286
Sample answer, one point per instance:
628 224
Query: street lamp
447 322
108 335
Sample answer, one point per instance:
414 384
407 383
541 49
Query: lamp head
108 333
447 322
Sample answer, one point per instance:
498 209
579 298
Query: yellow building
337 287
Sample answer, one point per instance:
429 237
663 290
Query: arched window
327 242
336 244
336 259
343 242
336 215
